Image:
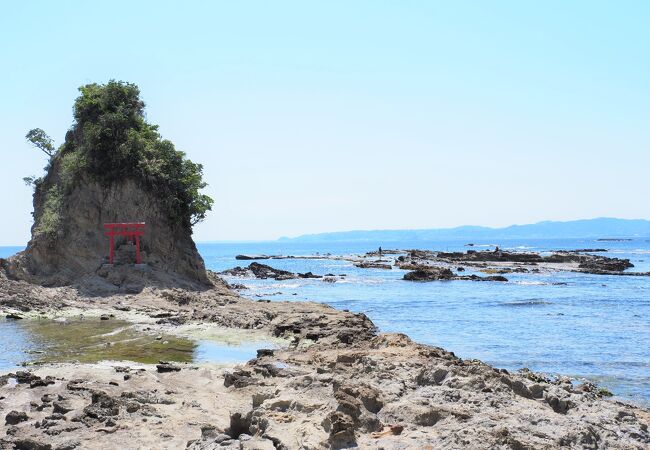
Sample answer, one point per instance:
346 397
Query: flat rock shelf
337 384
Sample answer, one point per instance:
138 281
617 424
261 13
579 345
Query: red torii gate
131 230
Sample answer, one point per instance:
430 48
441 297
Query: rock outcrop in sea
128 174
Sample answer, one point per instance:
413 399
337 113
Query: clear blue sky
324 116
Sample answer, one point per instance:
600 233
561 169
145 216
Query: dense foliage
111 140
41 141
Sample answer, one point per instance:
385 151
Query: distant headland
599 228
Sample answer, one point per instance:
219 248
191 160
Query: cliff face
68 245
77 249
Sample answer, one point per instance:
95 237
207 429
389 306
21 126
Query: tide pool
91 340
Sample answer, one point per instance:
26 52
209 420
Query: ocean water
593 327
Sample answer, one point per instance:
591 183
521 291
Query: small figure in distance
496 250
380 252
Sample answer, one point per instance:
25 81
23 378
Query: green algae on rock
93 340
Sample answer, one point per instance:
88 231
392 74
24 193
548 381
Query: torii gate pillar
131 230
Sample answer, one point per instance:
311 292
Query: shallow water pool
90 340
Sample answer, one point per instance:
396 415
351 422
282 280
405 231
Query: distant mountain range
600 228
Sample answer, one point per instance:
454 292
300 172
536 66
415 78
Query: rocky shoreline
428 265
338 384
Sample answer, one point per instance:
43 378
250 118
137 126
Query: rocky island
335 381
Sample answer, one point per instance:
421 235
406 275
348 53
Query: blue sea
593 327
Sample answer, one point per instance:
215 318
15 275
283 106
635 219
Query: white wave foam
348 280
284 286
637 251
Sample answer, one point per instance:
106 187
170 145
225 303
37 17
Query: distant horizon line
487 226
483 227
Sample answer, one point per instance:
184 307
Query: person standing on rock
380 251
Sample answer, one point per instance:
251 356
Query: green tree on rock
110 141
41 141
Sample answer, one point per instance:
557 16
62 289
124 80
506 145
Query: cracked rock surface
339 384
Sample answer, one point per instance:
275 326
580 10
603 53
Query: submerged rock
250 257
373 265
308 275
421 272
263 272
477 278
429 274
605 264
586 262
493 256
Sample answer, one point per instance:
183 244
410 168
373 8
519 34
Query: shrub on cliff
110 141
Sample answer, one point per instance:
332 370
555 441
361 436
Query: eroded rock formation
79 248
113 167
